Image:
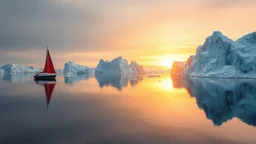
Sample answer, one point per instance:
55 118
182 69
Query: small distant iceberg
118 66
153 75
17 69
71 68
59 71
138 69
178 68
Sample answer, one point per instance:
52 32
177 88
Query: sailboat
49 72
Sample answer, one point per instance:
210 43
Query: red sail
48 68
48 92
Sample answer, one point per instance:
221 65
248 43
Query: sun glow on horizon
165 61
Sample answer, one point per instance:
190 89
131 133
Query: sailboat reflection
48 88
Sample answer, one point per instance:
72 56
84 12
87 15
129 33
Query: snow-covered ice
34 69
118 66
17 68
220 56
71 68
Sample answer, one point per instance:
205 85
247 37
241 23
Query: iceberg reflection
177 81
71 79
16 77
224 99
117 80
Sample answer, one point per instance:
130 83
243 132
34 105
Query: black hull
46 78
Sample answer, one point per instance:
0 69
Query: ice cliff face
243 54
118 66
219 56
16 68
34 69
71 68
178 68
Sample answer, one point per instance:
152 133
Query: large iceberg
71 68
220 56
118 66
16 68
178 68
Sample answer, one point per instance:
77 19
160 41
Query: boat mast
47 52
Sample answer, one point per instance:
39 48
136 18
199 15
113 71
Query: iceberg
59 71
16 68
116 66
71 68
178 68
138 69
34 69
220 56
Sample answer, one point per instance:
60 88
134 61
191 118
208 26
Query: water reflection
117 81
75 78
136 79
146 113
224 99
48 88
177 81
16 77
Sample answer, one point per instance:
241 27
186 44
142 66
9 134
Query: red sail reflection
48 88
48 92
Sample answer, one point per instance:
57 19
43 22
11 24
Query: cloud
90 24
148 26
35 23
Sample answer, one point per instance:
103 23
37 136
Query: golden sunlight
165 61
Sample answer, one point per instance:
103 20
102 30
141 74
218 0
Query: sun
166 62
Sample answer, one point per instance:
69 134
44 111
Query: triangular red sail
48 68
48 92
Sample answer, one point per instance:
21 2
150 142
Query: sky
152 32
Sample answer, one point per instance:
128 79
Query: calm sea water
118 109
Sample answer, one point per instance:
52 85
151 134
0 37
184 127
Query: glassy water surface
125 109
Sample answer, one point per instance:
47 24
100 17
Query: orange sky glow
154 33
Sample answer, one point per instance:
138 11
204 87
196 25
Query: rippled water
126 109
